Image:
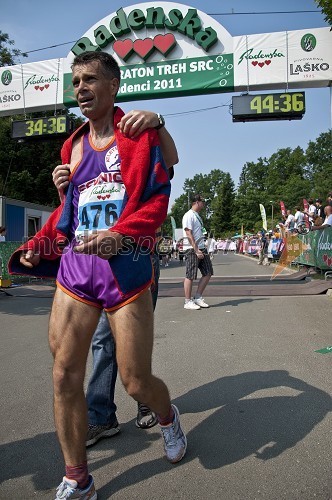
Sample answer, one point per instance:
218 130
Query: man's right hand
30 259
200 254
60 176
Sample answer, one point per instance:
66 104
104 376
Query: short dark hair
197 197
109 65
318 200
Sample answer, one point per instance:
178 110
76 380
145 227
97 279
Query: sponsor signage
310 57
192 76
276 60
319 249
170 50
31 87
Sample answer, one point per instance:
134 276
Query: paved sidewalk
254 395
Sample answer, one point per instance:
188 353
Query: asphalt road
254 396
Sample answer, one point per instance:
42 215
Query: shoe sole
105 434
153 423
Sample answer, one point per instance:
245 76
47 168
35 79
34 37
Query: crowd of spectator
314 213
266 245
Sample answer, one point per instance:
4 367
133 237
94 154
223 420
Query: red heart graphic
47 85
123 48
41 88
164 43
254 63
268 61
144 48
329 261
103 197
36 87
261 64
98 197
108 196
325 257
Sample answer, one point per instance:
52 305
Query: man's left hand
134 122
104 244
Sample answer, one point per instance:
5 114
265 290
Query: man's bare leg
72 324
132 326
203 283
188 285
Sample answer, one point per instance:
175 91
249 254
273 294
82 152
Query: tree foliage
207 185
289 175
26 167
223 208
326 7
8 54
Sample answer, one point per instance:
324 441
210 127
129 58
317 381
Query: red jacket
147 184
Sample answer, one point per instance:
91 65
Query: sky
207 139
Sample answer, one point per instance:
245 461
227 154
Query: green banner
319 249
182 77
173 226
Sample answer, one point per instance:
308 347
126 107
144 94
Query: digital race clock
46 127
286 106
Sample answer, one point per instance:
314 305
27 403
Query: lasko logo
6 77
260 58
144 48
189 25
308 42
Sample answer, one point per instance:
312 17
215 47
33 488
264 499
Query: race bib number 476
99 208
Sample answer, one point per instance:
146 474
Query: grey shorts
193 263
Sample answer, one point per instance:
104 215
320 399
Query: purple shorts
106 284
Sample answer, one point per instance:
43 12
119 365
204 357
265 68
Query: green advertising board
193 76
318 252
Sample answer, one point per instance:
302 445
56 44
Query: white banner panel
31 87
301 58
310 57
260 61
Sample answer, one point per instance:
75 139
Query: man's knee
136 386
67 379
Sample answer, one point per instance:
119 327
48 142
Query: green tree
8 54
26 167
319 165
326 7
223 206
281 166
251 192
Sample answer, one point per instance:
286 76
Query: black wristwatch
161 120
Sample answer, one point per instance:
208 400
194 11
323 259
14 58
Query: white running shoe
69 489
175 441
201 302
191 305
